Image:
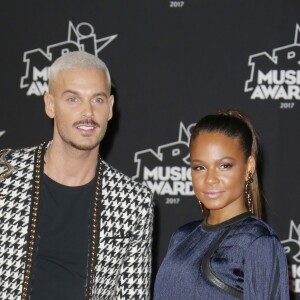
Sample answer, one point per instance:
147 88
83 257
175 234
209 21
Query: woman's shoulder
182 232
189 227
255 227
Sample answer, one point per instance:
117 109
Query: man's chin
84 146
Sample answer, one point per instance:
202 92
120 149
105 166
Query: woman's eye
226 166
198 168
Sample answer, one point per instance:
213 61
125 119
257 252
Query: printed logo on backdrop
79 38
276 76
292 249
166 170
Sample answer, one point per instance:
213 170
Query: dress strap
210 276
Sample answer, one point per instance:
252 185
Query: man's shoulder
114 177
16 164
8 155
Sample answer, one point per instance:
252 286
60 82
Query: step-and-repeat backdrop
172 62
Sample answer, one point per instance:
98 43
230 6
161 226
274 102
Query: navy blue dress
241 258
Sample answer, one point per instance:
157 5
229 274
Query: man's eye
72 99
97 100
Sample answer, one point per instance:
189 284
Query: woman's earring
248 193
201 205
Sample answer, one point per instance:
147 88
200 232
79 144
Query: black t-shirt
60 269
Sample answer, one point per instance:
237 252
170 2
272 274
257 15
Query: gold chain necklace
94 234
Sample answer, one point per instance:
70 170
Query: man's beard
83 146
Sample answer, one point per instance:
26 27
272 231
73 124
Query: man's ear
49 105
111 101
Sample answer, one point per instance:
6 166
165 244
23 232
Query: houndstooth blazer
123 259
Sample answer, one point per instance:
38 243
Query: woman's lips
213 194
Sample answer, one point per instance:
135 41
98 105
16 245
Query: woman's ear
251 166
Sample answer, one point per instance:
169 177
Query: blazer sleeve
266 270
134 280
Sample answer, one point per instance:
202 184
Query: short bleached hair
77 60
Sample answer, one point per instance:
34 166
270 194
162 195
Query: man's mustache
86 122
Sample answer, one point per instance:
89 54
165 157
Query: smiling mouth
212 194
86 125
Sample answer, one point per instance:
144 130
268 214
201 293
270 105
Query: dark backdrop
171 62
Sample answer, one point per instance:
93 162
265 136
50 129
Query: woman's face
219 171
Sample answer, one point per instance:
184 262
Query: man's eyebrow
78 93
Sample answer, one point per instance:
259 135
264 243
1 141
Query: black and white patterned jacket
123 260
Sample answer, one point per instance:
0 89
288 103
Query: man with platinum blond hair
72 227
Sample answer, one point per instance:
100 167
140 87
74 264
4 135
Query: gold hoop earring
248 193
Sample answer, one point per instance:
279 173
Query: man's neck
70 166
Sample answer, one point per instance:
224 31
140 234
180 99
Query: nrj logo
276 76
292 249
166 171
80 38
